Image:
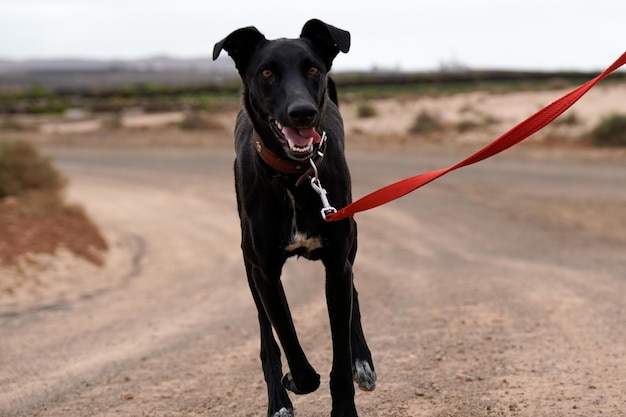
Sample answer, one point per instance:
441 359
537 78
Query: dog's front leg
363 366
302 379
279 404
339 298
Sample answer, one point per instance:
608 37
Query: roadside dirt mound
22 235
54 278
29 244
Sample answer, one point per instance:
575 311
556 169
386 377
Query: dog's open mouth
300 141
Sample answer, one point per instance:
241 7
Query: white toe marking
283 412
364 375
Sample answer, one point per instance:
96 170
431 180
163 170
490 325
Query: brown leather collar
287 166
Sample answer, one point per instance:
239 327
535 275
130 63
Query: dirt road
495 291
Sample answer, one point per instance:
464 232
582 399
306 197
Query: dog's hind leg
279 404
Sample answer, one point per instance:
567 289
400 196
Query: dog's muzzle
300 142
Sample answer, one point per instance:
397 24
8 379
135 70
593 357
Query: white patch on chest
300 240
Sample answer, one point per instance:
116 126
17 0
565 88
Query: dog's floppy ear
326 39
240 45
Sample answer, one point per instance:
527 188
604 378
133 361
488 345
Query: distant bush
9 123
425 123
466 125
479 120
365 110
23 171
113 122
568 119
610 131
198 121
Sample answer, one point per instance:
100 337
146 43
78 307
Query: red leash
514 136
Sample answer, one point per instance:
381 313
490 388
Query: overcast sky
388 34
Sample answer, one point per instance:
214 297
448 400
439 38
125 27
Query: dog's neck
285 165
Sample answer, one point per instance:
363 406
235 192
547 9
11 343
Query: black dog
288 132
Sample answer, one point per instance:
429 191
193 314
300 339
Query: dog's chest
299 242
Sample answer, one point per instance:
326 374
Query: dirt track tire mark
132 247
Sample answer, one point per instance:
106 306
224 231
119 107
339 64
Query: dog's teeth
279 126
301 149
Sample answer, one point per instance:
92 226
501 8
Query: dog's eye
267 73
314 71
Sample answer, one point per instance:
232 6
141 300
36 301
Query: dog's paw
302 388
364 375
283 412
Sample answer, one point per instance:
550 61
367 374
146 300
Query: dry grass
34 217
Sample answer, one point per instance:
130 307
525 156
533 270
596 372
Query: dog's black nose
302 114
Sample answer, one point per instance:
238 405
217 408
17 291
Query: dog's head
285 82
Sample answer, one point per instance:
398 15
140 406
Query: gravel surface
495 291
498 290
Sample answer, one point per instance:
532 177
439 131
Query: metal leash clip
317 186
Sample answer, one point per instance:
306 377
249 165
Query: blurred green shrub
426 122
365 110
195 120
30 177
610 131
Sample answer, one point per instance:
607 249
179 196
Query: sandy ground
495 291
494 113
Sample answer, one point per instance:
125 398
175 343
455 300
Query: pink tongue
301 137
